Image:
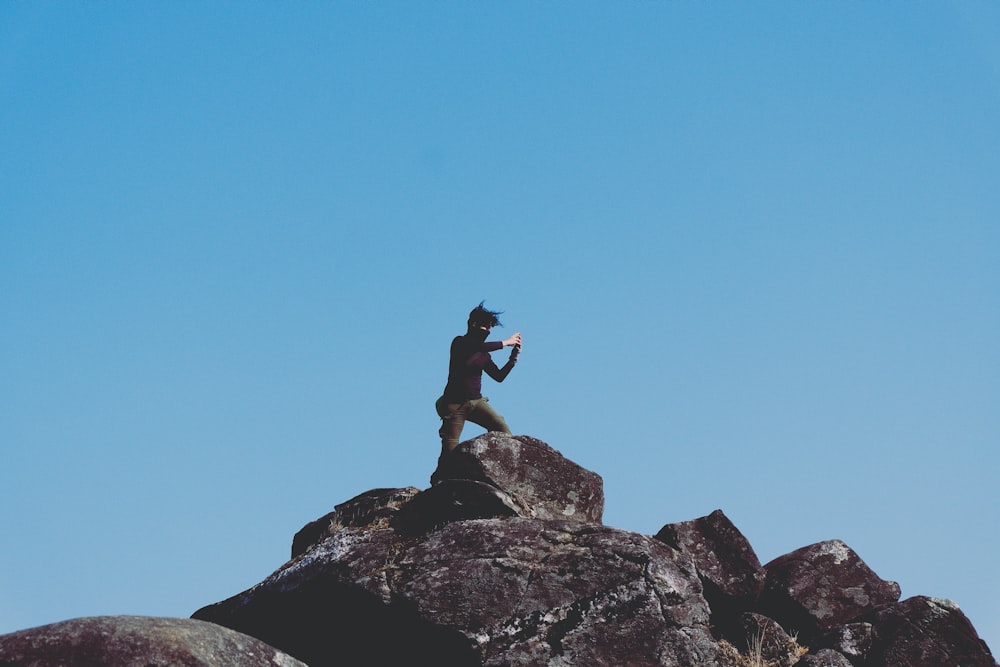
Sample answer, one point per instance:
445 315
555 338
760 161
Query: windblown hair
483 316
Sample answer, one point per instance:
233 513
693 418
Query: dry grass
758 649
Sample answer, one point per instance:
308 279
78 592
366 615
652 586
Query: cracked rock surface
496 591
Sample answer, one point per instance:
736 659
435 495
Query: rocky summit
504 560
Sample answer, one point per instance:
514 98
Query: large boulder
818 588
727 564
926 632
497 592
138 641
543 483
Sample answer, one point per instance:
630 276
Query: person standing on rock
463 399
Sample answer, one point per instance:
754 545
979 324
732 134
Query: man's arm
500 374
494 345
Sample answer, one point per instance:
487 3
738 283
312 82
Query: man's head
482 318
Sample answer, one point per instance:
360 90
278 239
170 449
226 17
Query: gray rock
137 641
543 483
927 632
853 640
484 592
818 588
824 658
727 564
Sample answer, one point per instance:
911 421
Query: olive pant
454 415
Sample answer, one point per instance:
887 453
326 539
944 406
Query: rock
375 507
818 588
504 562
333 605
767 642
927 632
137 641
824 658
853 640
728 566
509 591
455 500
540 480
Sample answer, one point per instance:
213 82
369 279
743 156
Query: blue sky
753 250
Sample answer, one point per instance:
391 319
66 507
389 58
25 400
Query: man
470 356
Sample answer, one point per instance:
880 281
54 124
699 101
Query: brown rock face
482 592
727 564
136 641
544 483
819 588
926 632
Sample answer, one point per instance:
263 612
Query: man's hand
513 340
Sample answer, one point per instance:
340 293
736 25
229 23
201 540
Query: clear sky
753 250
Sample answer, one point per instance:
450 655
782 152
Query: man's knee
500 425
450 433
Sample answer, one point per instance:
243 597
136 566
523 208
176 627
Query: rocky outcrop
137 641
819 588
729 569
925 631
482 592
504 561
543 483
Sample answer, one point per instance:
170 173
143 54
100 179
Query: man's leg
480 412
453 417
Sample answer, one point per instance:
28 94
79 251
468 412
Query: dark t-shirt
469 358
